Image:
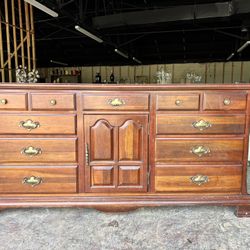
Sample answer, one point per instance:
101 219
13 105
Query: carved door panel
116 153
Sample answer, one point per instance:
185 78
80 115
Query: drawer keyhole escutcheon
32 181
178 102
202 125
53 102
116 102
31 151
3 101
200 150
227 101
29 125
199 179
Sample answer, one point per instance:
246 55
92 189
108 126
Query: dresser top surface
124 87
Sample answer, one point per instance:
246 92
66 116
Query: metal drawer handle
199 179
87 153
53 102
200 150
32 180
29 125
116 102
3 101
178 102
31 151
202 125
227 101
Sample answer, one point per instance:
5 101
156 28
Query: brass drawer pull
3 101
178 102
31 151
199 179
200 150
29 125
53 102
202 125
227 101
32 180
116 102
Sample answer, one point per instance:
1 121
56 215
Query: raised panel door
116 153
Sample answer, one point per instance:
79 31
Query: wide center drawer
200 124
185 178
115 101
38 179
199 150
37 124
37 150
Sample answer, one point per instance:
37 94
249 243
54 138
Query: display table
121 147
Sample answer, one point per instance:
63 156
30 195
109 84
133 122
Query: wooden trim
14 31
21 31
27 21
8 38
33 36
1 52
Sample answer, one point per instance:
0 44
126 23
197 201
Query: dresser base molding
126 203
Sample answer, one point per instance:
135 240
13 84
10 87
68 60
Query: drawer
200 124
199 150
225 101
52 101
37 150
13 101
178 101
38 180
184 178
115 102
38 124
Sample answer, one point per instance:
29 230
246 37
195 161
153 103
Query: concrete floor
165 228
148 228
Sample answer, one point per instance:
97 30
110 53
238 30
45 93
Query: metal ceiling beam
172 14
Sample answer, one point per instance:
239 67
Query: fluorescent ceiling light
59 63
42 7
87 33
136 60
121 53
231 56
243 46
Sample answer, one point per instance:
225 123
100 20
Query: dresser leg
242 211
115 209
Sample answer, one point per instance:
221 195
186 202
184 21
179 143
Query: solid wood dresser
121 147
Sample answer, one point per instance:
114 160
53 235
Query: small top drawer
15 101
115 102
225 101
178 101
52 101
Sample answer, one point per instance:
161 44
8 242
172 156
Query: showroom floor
168 228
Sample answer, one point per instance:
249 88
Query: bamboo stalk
33 36
1 52
21 31
27 21
8 38
14 31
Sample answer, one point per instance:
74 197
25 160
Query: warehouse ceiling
152 31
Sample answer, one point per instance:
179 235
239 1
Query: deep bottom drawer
184 178
38 180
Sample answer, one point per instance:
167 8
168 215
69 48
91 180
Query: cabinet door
116 153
